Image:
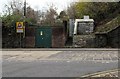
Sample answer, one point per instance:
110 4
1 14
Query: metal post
24 22
24 17
25 8
0 34
20 40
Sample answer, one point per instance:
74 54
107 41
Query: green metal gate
43 37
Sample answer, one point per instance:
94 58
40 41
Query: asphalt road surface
61 64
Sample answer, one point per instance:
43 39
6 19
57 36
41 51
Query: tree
31 15
14 11
50 15
71 11
14 7
97 11
63 16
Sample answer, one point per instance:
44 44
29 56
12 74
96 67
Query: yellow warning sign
19 27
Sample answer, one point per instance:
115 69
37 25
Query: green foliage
113 24
63 16
9 19
97 11
81 9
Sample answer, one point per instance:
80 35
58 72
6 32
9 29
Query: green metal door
43 37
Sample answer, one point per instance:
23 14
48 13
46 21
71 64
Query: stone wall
84 41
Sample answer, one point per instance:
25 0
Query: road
58 64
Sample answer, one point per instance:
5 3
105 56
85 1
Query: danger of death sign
19 27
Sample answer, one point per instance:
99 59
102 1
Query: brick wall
29 37
58 37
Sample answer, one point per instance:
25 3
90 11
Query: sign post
20 30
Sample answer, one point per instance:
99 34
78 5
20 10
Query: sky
41 4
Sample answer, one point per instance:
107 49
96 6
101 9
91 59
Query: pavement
27 55
59 63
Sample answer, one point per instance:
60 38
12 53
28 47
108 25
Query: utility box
82 29
43 37
84 26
